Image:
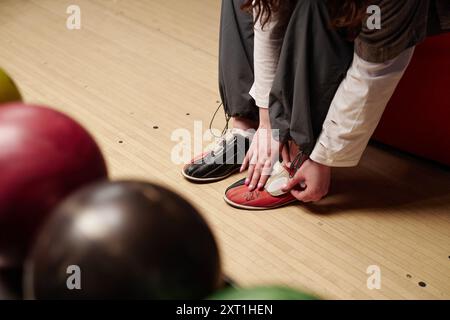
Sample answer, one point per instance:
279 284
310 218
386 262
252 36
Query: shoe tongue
217 145
278 178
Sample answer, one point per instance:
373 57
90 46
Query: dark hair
346 15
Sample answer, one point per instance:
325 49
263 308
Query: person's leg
236 74
314 59
235 80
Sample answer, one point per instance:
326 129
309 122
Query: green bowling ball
8 89
262 293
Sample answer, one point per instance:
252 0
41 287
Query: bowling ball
127 240
8 89
44 156
262 293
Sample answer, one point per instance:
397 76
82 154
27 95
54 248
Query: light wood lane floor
138 70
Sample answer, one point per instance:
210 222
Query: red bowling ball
44 156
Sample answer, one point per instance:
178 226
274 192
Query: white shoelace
217 145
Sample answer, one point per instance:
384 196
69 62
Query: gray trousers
314 59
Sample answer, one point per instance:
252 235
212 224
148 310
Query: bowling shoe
271 197
221 159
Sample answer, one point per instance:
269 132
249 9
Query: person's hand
262 154
315 178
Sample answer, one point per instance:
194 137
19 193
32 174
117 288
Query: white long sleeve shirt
266 53
356 108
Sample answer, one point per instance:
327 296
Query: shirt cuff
262 101
322 155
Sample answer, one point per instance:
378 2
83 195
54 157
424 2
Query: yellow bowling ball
8 89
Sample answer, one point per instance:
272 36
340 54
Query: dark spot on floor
120 141
155 127
422 284
217 101
409 276
188 114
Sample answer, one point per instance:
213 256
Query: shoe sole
244 207
208 179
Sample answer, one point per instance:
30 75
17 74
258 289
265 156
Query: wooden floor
138 70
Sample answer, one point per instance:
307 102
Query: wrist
264 119
320 165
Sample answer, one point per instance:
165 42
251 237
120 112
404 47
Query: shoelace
226 135
217 146
227 119
296 164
